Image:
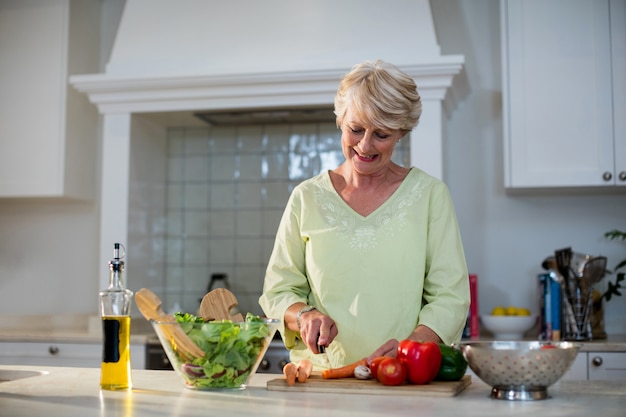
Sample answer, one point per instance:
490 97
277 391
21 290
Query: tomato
422 360
374 366
391 371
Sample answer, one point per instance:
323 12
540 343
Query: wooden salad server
149 305
217 304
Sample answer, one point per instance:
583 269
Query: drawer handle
596 361
265 365
282 363
53 350
607 176
622 176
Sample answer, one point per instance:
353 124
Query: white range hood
199 55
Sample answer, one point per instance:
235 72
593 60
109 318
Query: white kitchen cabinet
48 130
606 366
618 55
87 355
564 92
598 365
578 370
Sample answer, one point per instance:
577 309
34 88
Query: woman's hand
424 334
389 348
317 329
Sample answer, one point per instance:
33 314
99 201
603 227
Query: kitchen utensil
519 370
563 259
549 264
593 271
578 262
149 305
217 305
315 383
579 304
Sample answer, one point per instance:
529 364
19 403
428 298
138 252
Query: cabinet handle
265 364
53 350
622 176
607 176
596 361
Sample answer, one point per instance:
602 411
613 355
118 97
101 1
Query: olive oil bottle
115 304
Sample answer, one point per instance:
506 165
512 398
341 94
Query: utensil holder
577 311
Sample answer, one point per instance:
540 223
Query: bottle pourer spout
116 263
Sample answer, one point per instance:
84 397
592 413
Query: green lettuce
231 350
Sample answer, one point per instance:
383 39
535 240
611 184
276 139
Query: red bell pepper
422 360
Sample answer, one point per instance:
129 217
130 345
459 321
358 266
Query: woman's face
367 148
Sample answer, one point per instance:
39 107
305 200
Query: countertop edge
74 392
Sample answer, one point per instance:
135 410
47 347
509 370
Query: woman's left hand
389 348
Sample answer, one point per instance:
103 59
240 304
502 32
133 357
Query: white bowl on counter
508 327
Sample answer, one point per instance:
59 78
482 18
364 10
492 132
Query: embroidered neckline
367 232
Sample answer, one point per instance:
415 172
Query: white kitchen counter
70 392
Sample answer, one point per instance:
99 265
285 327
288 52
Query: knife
322 349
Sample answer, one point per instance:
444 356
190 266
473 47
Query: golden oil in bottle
115 369
115 304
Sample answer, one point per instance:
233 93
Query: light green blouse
378 276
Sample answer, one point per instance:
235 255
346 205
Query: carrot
290 371
305 367
346 371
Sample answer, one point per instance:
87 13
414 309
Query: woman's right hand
317 329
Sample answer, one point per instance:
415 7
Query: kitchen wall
48 253
507 235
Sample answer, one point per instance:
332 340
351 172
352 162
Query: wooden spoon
216 305
593 271
150 306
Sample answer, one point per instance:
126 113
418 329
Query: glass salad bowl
216 354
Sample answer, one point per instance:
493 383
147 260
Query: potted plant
613 289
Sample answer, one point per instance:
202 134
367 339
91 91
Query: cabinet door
557 97
48 130
618 52
578 371
51 354
607 365
88 355
33 99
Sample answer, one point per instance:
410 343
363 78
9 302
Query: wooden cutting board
358 386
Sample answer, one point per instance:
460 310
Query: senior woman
369 253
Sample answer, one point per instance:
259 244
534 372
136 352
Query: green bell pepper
453 364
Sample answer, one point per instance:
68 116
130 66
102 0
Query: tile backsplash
227 187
